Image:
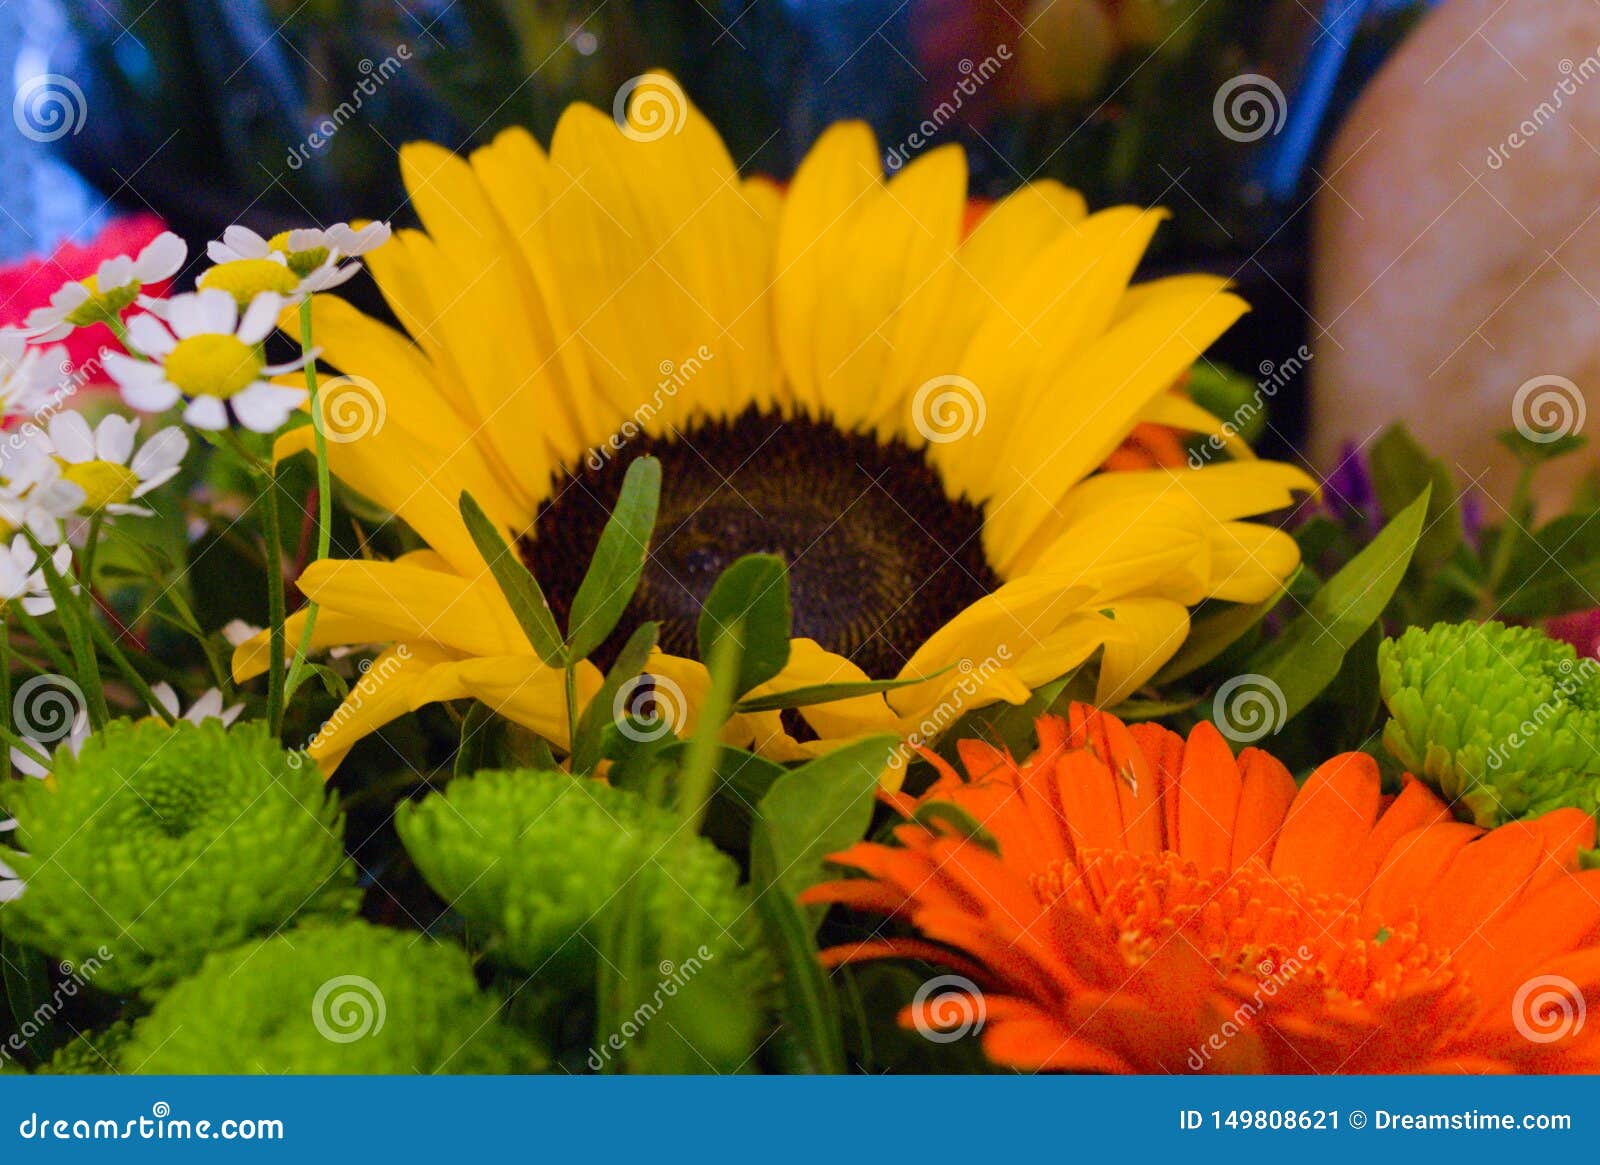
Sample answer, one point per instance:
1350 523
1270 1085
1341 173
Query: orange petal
1208 799
1266 792
1330 818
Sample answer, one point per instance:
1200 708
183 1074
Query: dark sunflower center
879 554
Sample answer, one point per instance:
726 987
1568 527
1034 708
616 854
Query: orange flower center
1250 923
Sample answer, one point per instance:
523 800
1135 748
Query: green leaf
1401 470
828 693
26 974
820 808
753 595
1555 570
1308 655
613 575
955 820
477 735
521 589
587 748
1212 633
1531 451
698 774
809 1006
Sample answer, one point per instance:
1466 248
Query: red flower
30 283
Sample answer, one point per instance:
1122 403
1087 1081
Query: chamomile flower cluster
201 351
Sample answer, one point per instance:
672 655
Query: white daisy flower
103 463
110 290
207 707
210 356
22 580
293 264
237 632
34 496
72 744
30 377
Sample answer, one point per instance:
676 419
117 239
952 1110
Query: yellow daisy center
100 307
104 483
213 365
244 279
880 554
302 263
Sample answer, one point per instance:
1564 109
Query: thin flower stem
42 641
324 498
86 561
275 605
137 682
572 707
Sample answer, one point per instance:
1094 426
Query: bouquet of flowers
716 626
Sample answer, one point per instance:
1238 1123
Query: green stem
86 560
103 639
41 640
572 707
275 605
324 498
1505 545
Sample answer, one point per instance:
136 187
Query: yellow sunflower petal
1111 382
829 192
519 687
382 694
1001 626
1158 628
404 601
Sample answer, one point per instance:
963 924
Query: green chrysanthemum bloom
96 1053
330 998
161 843
541 863
1503 721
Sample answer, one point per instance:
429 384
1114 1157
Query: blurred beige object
1456 277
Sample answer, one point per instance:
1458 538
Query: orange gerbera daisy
1128 901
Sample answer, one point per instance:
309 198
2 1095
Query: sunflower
1129 901
910 414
